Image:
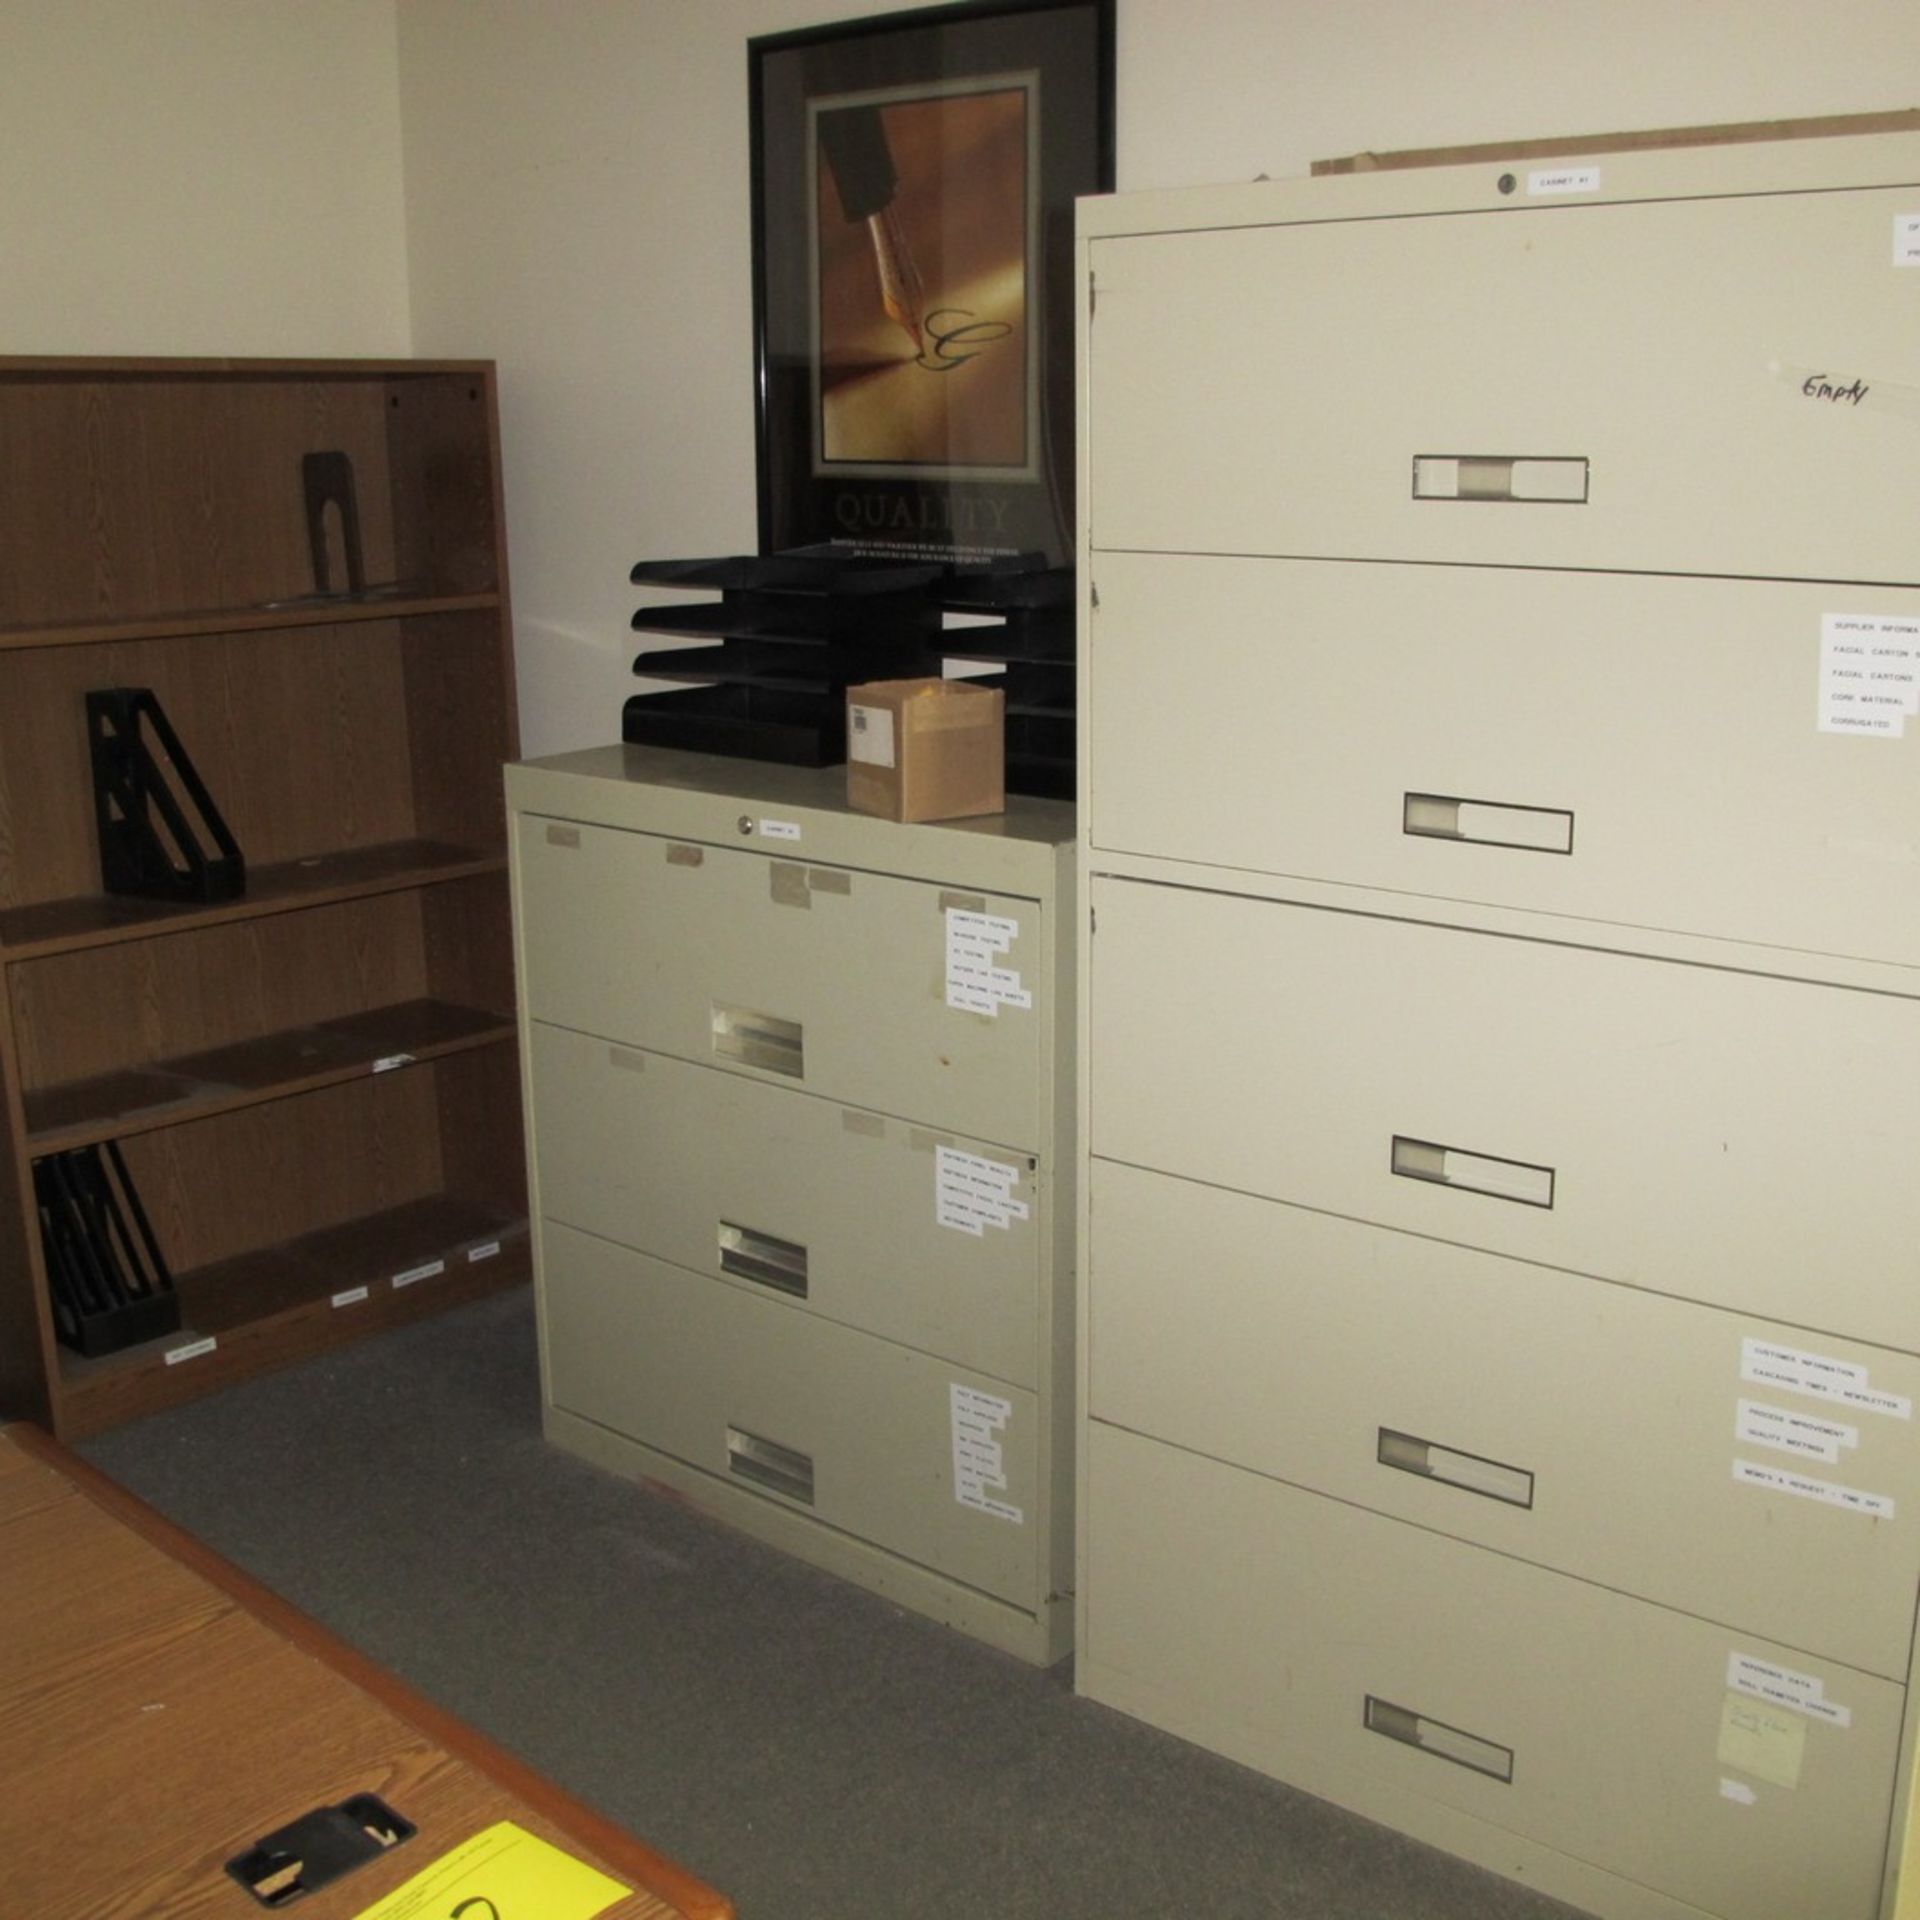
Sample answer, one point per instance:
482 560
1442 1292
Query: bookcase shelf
313 1085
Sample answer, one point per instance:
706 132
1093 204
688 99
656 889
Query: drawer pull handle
1487 823
1518 478
1481 1173
759 1040
1471 1472
1442 1741
763 1257
768 1464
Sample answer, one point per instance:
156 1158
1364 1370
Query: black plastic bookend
141 800
107 1279
327 479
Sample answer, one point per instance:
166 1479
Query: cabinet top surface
1532 185
566 782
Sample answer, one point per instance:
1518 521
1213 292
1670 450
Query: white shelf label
1790 1432
352 1297
779 830
972 1193
193 1350
484 1251
389 1061
976 982
1765 1363
979 1462
1565 180
425 1272
1874 1506
1783 1687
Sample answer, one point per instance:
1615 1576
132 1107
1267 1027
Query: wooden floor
160 1712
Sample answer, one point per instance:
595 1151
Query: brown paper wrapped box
926 749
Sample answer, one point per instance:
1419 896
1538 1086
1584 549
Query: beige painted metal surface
1546 381
1628 1748
1594 1429
1642 752
699 1370
762 1282
1728 1138
814 976
828 1207
1482 866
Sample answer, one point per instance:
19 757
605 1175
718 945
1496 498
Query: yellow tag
505 1873
1757 1739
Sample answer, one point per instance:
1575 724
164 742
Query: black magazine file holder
146 805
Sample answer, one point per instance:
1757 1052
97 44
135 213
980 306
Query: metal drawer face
891 1446
1732 1139
1517 387
1643 752
1375 1662
873 1222
1587 1427
839 982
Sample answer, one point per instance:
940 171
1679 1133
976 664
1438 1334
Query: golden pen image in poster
922 244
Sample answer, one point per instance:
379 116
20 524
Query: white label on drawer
425 1272
1869 673
972 1193
870 735
1767 1364
1877 1506
1803 1692
392 1060
1565 180
979 1462
352 1296
976 983
1906 239
1801 1433
484 1251
1761 1740
191 1351
779 830
1739 1791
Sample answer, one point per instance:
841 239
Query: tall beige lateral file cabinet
1503 1005
798 1123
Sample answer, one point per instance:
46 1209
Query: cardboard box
926 749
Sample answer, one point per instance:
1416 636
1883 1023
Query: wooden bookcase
314 1086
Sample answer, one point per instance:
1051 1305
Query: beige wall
225 176
201 177
577 202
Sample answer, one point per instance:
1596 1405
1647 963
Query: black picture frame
913 184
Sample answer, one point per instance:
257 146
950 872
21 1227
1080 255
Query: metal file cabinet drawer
1734 1139
802 975
1667 1449
877 1223
1637 751
1380 1664
1517 385
926 1460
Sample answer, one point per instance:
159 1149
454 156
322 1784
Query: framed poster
913 184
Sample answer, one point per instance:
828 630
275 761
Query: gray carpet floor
810 1749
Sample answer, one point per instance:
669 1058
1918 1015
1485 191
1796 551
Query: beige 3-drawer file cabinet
800 1141
1501 1011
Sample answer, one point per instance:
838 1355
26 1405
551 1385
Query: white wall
201 177
577 205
